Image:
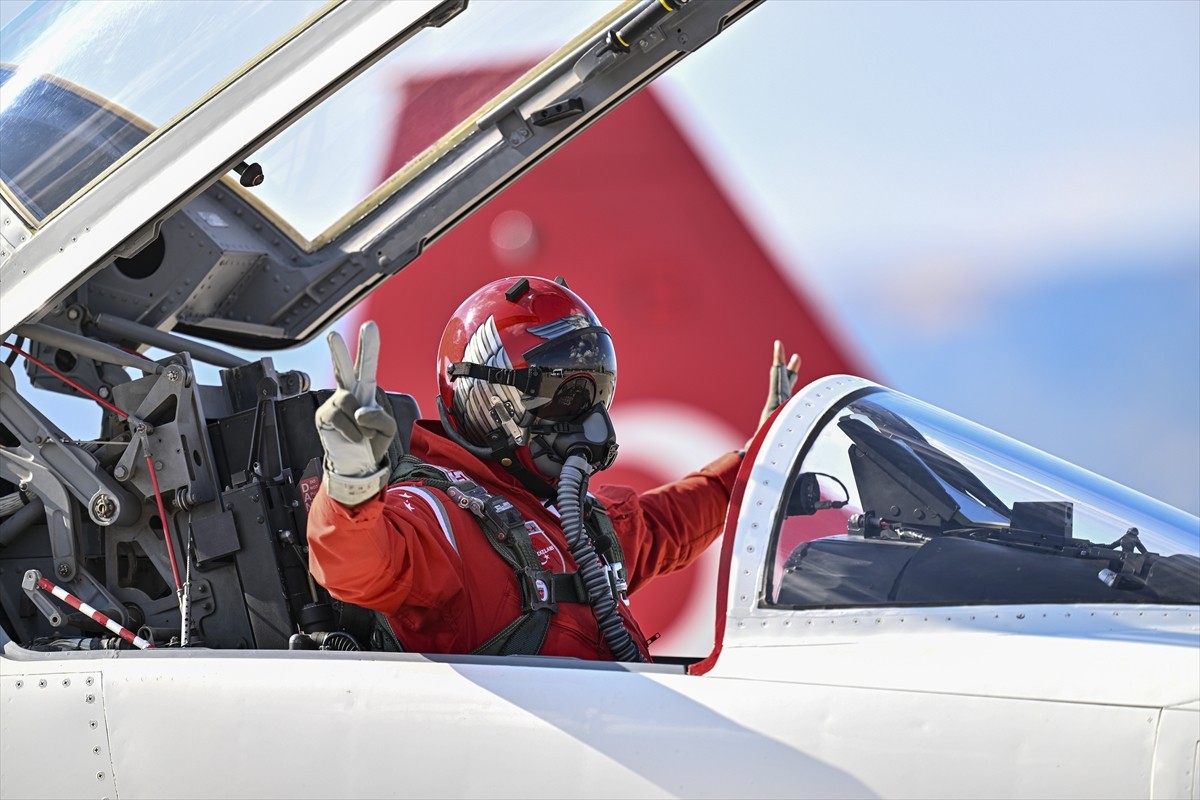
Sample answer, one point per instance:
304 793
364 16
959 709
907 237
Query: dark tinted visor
577 371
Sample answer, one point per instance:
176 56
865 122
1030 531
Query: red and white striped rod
73 601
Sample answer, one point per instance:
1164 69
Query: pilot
484 538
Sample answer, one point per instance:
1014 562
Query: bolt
121 472
158 464
91 698
104 392
42 683
90 681
66 682
207 606
20 684
103 507
72 313
92 724
918 513
96 750
64 570
99 776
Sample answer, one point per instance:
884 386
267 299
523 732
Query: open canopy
262 140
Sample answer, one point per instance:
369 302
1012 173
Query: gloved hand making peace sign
355 429
782 381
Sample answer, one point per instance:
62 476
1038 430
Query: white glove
355 430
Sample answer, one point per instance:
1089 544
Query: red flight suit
415 555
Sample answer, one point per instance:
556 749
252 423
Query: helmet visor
577 371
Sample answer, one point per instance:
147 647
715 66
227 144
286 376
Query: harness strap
525 635
504 528
600 528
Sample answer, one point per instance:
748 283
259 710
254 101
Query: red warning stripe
120 630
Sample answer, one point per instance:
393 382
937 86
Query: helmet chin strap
502 448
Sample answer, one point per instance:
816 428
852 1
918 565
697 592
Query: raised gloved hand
783 380
355 429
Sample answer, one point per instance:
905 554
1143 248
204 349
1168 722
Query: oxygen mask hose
572 484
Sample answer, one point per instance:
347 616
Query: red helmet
519 357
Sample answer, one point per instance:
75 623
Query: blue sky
997 203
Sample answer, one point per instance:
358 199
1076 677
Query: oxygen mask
590 436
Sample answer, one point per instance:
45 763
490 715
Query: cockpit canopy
895 502
292 155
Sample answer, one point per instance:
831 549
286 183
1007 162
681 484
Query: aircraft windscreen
896 502
339 159
95 79
81 83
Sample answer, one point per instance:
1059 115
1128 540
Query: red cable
68 381
162 514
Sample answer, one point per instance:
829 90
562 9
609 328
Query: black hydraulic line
81 345
144 334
